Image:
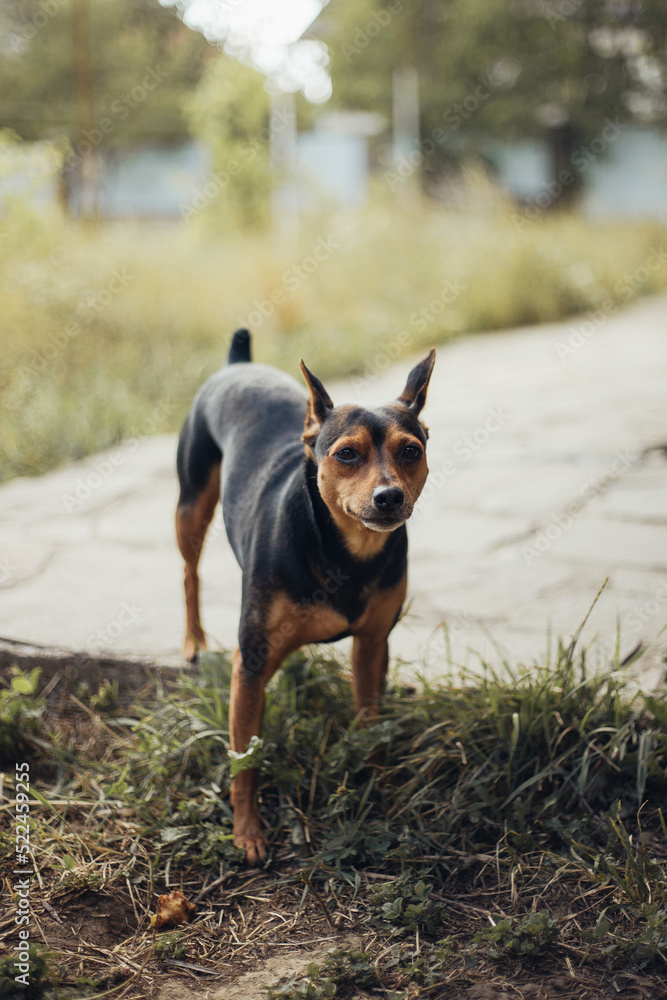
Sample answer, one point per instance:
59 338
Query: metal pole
406 146
285 197
86 169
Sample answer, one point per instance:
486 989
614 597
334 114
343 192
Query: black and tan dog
315 499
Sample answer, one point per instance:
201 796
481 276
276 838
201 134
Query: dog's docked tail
240 348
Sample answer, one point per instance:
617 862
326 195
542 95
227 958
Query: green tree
230 112
508 69
144 59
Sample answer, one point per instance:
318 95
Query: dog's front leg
370 652
370 655
246 713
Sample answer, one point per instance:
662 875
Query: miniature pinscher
314 499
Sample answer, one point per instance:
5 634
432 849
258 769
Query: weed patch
20 711
511 831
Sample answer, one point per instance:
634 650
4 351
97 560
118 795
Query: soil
98 929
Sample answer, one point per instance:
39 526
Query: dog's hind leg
196 507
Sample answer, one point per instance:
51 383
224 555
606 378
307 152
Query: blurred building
149 182
332 160
332 167
626 179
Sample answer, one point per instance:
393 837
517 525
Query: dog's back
247 419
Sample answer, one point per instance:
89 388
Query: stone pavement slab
548 474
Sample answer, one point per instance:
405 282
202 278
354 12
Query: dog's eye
346 455
411 452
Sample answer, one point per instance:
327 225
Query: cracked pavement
548 475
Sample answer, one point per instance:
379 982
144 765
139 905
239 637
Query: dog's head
371 464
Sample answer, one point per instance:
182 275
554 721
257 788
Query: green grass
107 334
513 830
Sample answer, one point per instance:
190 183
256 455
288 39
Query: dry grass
107 334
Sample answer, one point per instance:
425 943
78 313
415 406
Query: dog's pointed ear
319 405
414 394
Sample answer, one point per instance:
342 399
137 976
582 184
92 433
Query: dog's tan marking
397 439
291 625
360 541
345 489
361 441
411 475
370 653
192 521
246 713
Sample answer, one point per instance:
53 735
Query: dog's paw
193 645
252 842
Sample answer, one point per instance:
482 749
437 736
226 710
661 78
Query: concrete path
548 458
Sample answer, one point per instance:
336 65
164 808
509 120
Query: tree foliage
230 112
143 60
510 69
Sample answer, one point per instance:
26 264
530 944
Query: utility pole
406 117
406 146
282 145
86 158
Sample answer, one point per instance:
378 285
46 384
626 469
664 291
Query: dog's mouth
383 523
379 523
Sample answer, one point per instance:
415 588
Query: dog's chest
300 623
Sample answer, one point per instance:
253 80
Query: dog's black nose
388 499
